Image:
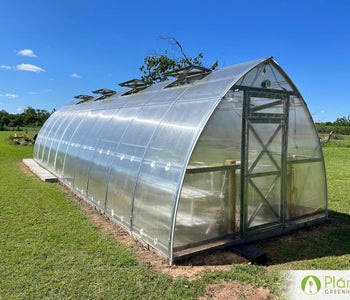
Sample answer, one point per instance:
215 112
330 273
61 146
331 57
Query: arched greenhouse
208 159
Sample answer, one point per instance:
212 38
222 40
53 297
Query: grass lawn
50 248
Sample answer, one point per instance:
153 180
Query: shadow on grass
331 239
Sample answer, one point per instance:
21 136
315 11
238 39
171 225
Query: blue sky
51 51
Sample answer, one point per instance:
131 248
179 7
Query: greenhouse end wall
257 169
218 161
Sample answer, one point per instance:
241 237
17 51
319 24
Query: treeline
340 126
30 117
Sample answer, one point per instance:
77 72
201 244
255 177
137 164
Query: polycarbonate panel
267 76
152 213
166 95
79 137
100 164
263 193
303 140
216 83
206 90
113 102
209 208
106 153
204 212
118 201
306 178
40 137
144 96
162 168
307 189
269 159
126 165
50 136
87 139
56 140
263 200
75 120
91 145
221 137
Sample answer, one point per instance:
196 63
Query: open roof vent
83 98
135 85
105 93
187 75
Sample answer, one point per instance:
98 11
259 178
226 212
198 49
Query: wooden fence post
289 186
231 197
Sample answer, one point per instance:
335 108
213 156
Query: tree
29 117
157 65
339 126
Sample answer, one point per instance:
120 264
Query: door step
254 255
39 171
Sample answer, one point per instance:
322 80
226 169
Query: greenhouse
207 159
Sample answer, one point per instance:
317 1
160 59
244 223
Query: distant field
342 141
50 248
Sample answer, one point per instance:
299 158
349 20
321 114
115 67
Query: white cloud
40 92
12 96
26 52
19 108
29 67
6 67
75 75
322 111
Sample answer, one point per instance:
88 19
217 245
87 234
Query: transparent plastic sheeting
128 155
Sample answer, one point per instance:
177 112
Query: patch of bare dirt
192 268
236 290
195 266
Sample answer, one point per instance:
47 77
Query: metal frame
187 75
105 93
251 116
84 98
213 169
135 86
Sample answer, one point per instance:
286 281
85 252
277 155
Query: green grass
342 141
49 248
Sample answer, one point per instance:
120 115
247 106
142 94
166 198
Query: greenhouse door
263 168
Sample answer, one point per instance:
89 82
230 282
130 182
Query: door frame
280 97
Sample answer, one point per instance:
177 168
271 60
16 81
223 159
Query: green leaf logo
310 285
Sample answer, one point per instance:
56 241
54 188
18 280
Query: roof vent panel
187 75
135 85
84 98
105 93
